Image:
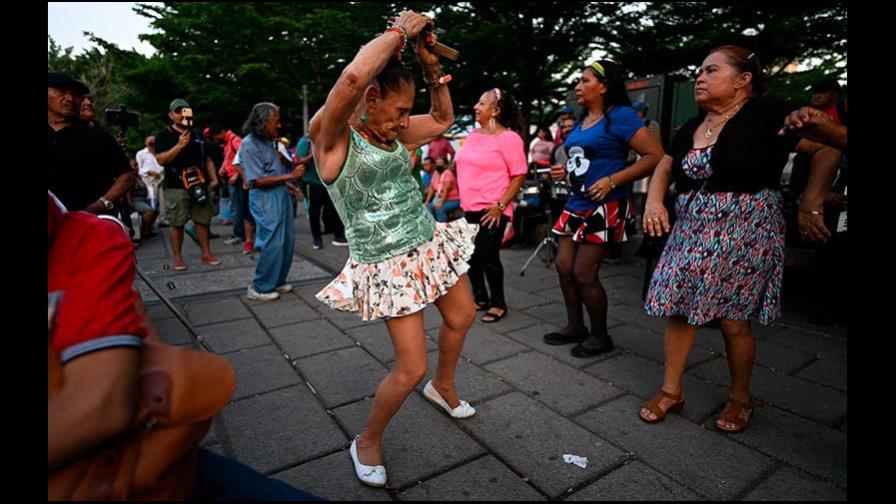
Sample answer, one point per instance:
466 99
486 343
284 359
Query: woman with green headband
599 189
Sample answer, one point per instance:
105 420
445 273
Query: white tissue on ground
575 459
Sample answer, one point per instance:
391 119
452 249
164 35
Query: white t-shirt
147 162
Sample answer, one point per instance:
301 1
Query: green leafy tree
224 58
654 38
532 49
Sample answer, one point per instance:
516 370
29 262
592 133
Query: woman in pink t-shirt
490 171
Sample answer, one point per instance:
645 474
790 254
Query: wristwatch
106 203
501 206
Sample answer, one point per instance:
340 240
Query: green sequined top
379 202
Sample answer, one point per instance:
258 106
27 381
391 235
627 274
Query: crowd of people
424 222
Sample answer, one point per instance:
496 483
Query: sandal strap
654 404
733 410
749 403
670 396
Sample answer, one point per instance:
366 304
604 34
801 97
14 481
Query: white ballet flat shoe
463 410
374 476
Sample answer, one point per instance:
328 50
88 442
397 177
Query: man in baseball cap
826 97
61 80
83 162
178 103
190 175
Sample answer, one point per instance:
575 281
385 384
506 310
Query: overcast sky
113 21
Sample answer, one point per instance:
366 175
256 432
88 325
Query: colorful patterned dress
725 255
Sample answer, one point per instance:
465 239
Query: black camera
194 183
199 193
122 118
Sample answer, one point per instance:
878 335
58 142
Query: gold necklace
709 125
592 122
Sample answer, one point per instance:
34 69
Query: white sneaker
339 243
261 296
463 410
374 476
283 289
233 240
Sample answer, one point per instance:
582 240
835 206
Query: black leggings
319 200
486 262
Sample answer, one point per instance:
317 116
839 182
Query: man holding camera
189 179
87 169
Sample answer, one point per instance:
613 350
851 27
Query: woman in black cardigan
725 257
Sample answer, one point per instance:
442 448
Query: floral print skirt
406 283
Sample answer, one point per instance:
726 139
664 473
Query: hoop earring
491 125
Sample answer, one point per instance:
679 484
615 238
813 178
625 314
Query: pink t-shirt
485 165
447 176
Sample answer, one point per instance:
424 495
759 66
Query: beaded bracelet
404 38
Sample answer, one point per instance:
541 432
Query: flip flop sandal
491 318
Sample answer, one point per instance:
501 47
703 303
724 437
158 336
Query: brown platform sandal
732 413
654 406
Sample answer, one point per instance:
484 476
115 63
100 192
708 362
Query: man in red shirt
243 223
92 324
825 95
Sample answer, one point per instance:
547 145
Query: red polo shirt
90 275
